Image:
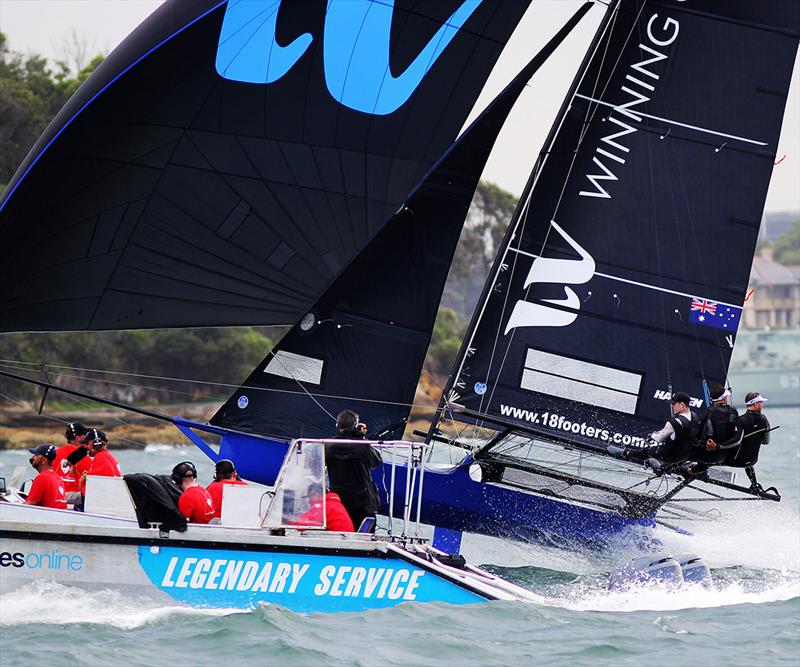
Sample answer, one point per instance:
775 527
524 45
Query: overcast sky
41 26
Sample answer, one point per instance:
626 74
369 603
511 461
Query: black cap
680 397
48 451
94 434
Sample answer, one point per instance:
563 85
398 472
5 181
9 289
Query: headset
180 470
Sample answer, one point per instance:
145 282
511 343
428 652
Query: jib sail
623 274
362 344
229 159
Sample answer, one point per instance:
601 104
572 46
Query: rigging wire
427 406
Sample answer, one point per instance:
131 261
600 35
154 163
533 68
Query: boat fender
659 569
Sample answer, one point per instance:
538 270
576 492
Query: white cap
726 393
757 399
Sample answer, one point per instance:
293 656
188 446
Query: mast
519 212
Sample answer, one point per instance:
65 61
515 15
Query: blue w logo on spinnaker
355 50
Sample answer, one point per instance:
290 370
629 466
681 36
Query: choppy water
751 616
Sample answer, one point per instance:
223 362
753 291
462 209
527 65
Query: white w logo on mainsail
549 270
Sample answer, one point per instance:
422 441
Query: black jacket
349 466
754 427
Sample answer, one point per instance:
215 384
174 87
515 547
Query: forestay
623 274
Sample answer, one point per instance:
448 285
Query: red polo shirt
61 467
47 490
104 465
196 505
336 516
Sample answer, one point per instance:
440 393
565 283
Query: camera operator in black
349 466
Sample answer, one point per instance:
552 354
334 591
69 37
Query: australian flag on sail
713 314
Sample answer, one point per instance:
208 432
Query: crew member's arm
735 440
666 433
765 441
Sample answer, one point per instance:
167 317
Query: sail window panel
295 367
593 384
576 369
574 390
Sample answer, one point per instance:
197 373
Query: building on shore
774 301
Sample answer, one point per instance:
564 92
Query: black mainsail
362 344
229 159
623 274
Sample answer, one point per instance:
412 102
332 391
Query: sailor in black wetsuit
349 466
673 442
719 433
678 435
754 428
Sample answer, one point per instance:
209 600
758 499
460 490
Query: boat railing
299 496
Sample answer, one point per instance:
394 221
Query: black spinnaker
228 159
623 274
362 344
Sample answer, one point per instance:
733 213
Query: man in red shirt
224 473
103 462
195 502
336 516
47 489
61 465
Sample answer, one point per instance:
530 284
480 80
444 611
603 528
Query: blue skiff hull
453 500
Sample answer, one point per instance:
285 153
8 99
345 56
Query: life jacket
686 430
720 423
